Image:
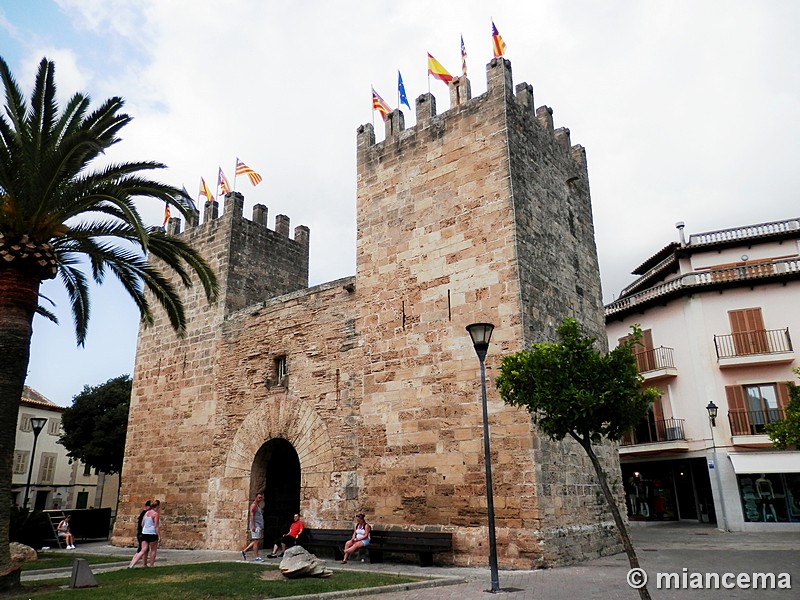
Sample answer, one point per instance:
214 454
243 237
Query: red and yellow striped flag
166 213
498 44
243 169
204 191
222 183
380 105
436 69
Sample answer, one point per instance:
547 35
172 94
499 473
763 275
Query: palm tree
59 218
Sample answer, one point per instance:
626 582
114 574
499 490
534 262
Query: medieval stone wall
481 213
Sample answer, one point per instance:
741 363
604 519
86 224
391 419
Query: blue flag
401 90
187 197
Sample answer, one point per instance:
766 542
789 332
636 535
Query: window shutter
737 410
783 394
749 335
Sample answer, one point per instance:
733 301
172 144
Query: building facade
56 481
363 393
719 314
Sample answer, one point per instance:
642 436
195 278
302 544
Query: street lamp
712 417
481 333
37 424
712 414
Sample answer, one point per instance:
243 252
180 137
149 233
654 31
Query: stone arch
281 416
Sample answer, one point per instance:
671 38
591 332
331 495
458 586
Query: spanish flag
166 213
204 191
380 105
497 42
436 69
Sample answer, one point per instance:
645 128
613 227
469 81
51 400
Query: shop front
668 490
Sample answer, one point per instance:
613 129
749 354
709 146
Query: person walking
255 527
150 537
139 527
359 539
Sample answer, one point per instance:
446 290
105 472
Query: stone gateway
363 394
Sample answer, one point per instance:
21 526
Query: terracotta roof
31 397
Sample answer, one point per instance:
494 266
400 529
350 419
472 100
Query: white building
719 311
57 482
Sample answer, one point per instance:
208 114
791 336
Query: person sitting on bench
63 532
360 538
290 539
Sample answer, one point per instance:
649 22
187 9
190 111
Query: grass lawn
54 560
242 581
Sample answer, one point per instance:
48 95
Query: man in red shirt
290 539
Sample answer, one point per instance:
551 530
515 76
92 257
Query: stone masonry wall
174 398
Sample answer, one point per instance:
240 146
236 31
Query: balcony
656 363
753 422
654 436
765 346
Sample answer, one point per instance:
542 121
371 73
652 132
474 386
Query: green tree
572 389
94 427
786 432
59 216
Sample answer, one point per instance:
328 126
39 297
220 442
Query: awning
765 462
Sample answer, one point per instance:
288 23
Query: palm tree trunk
18 300
633 560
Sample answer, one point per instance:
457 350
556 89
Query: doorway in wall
276 471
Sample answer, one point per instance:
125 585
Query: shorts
255 534
62 533
149 537
289 541
365 541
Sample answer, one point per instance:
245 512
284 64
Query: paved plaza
662 548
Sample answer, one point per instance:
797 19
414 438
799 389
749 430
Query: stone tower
363 393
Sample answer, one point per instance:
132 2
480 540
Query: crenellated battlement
235 202
499 89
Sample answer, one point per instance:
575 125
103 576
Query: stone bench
422 543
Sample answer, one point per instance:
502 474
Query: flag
188 199
401 90
222 183
436 69
463 58
204 191
243 169
166 213
497 42
380 105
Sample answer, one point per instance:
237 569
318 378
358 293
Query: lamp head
37 424
480 333
712 413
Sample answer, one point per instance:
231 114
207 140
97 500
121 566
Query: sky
689 110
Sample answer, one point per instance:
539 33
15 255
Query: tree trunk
19 296
633 560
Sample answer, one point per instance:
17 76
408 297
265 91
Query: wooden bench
422 543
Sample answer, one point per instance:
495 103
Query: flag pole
236 168
372 99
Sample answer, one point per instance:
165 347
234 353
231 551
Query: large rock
299 562
21 553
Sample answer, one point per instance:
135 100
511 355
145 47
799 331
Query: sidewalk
666 548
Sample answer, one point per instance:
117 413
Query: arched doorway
276 470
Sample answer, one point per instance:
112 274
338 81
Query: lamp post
481 333
712 417
37 424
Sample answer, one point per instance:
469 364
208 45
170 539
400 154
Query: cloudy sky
689 111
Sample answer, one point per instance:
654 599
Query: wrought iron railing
753 422
655 359
648 432
748 343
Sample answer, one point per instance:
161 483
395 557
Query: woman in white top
149 536
360 538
